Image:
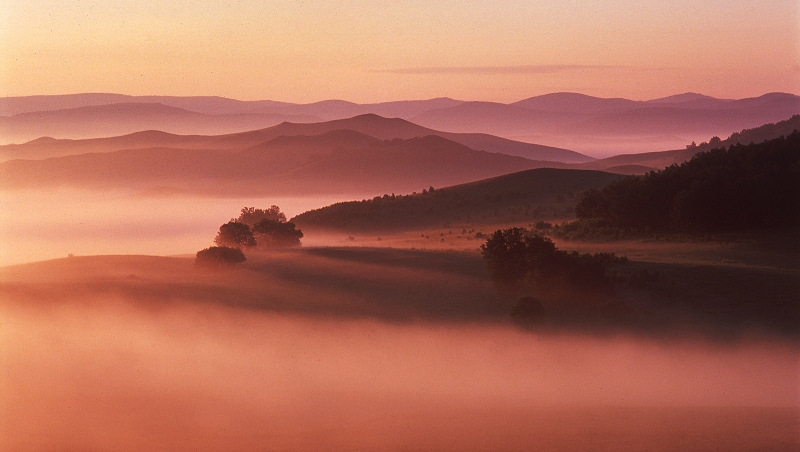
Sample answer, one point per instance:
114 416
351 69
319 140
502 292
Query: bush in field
219 256
234 234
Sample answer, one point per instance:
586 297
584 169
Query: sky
374 50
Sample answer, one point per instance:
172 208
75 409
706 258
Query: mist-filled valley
389 286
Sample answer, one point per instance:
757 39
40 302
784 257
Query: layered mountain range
590 125
362 154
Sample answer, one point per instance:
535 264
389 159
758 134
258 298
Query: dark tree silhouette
276 234
219 256
512 256
235 234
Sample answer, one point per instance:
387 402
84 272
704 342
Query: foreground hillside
357 349
739 286
518 198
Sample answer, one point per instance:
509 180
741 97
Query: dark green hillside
744 187
521 197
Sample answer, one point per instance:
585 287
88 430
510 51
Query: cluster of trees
259 228
514 256
254 228
739 188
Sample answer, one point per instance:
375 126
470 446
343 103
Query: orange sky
370 51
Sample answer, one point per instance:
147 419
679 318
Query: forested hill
743 187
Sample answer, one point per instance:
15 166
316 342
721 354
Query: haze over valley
435 225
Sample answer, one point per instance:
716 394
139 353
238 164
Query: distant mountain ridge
599 126
587 124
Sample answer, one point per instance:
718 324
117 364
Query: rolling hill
519 198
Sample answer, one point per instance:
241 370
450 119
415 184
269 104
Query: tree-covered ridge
521 197
742 187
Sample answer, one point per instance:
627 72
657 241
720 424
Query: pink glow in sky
369 51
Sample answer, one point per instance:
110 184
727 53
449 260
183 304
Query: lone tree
276 234
235 234
219 256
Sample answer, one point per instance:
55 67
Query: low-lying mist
105 373
46 224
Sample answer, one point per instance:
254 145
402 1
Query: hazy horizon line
408 71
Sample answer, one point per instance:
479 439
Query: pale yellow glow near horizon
371 51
